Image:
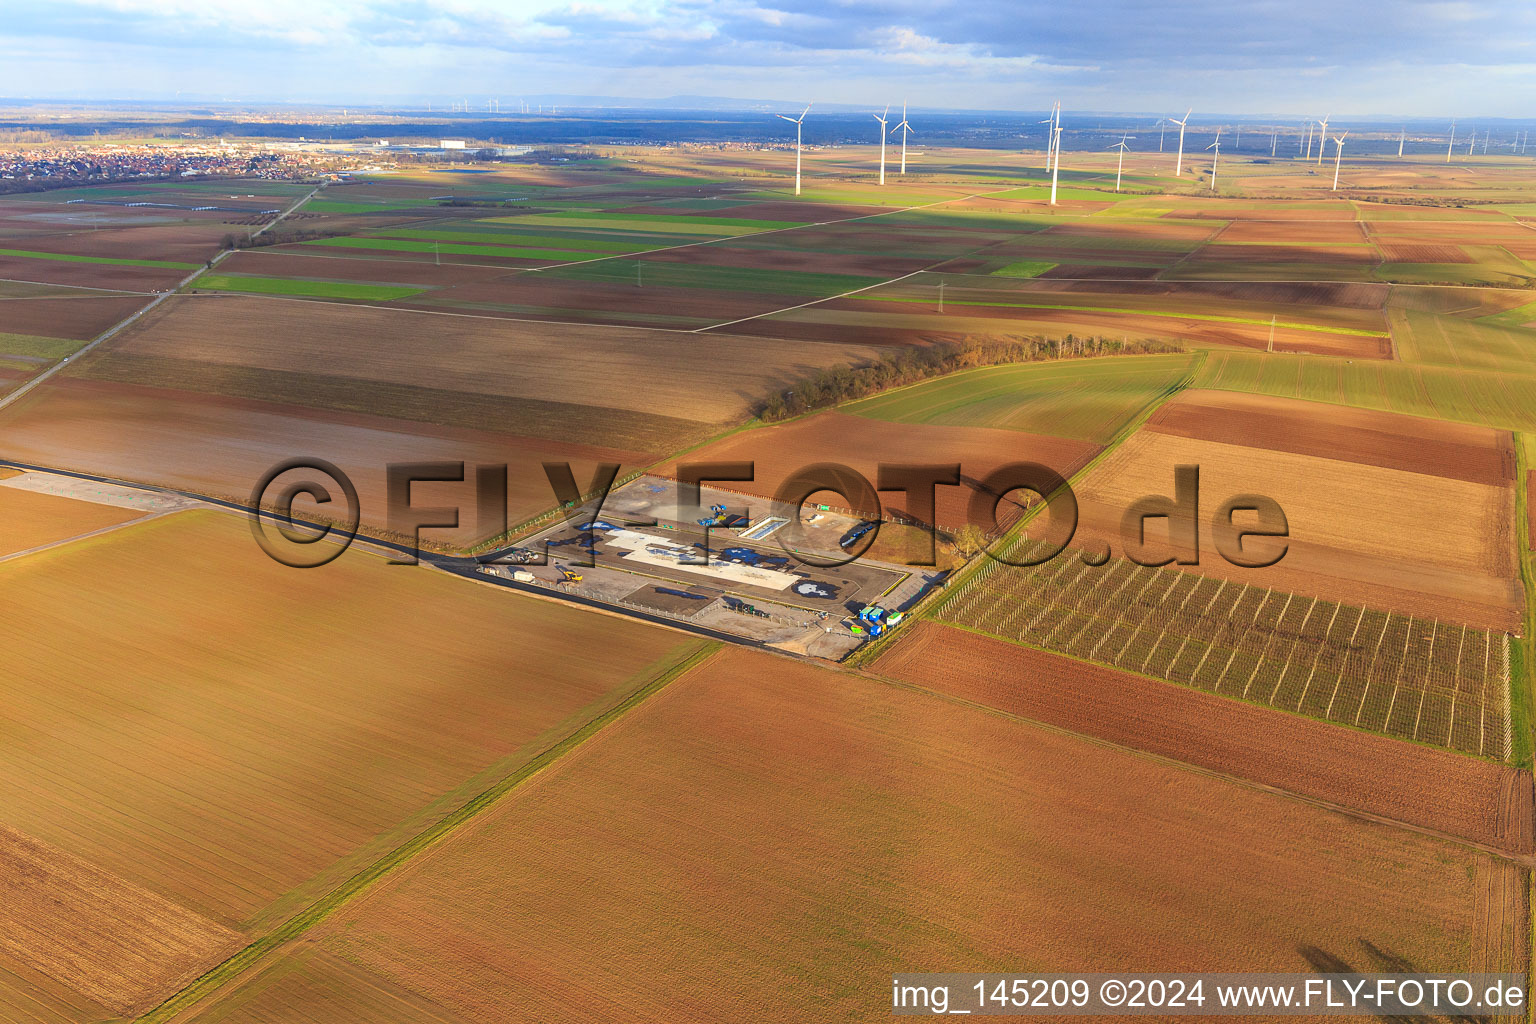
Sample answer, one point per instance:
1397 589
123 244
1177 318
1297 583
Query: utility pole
941 296
1272 332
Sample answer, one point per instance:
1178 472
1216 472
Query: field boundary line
214 980
160 297
1523 860
38 549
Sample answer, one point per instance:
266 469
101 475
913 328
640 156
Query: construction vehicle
567 577
721 516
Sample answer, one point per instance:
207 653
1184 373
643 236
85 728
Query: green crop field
1024 268
695 275
1520 316
451 249
494 235
110 261
716 226
1422 337
1474 396
1088 399
308 289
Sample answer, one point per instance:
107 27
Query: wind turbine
1056 164
905 129
1215 158
1162 126
1322 138
1122 147
1472 142
1310 125
883 118
799 123
1452 144
1178 167
1051 134
1338 156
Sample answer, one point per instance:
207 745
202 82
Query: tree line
908 365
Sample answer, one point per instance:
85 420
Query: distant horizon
440 106
1348 58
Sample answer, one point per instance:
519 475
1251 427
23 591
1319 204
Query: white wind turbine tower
799 123
1051 134
1310 126
1400 137
1122 147
1338 156
1178 167
1162 127
883 118
1215 157
1452 144
1322 139
905 130
1056 147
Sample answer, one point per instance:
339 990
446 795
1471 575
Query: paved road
457 565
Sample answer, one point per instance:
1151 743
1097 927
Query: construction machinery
568 577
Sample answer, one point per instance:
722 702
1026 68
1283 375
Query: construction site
784 577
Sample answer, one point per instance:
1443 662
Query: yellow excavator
567 576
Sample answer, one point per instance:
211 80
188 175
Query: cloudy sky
1411 57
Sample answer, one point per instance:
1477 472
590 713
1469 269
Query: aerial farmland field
204 791
847 799
635 754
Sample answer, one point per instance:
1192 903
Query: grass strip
313 289
359 883
450 249
64 257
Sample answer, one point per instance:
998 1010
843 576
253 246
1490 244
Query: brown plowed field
387 257
113 942
217 445
89 275
803 327
705 379
1456 451
238 736
1501 911
189 242
1408 253
1451 793
1090 272
880 827
1358 533
1247 254
639 305
78 318
873 265
862 443
1283 232
1011 321
312 263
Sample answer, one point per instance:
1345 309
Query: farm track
250 956
112 332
